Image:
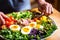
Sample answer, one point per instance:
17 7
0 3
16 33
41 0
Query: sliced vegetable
26 30
15 27
8 23
3 27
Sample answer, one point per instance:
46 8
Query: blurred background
55 3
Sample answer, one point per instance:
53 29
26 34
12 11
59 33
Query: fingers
3 15
3 21
49 9
41 9
46 8
52 9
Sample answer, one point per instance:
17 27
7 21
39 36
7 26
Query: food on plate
15 27
21 14
27 26
38 26
3 27
25 30
32 24
44 18
10 21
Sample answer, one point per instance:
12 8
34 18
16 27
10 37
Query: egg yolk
31 25
26 30
14 27
37 26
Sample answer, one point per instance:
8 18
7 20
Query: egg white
16 29
33 25
23 32
39 26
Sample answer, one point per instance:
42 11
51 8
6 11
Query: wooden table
56 17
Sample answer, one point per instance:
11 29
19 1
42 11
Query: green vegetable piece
38 38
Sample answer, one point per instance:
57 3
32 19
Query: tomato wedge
12 18
35 19
9 23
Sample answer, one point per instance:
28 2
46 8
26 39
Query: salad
26 26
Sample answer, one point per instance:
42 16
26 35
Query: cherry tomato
9 23
35 19
8 19
12 18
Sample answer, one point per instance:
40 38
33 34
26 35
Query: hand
45 7
3 17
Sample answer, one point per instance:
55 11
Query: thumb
3 15
42 13
3 21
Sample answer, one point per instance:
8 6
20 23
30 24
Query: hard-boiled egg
26 30
32 24
38 26
41 27
15 27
